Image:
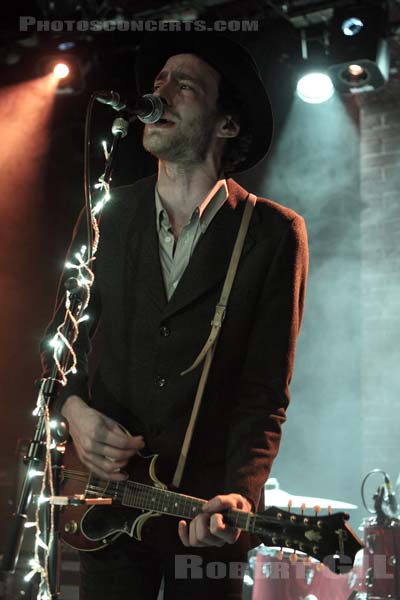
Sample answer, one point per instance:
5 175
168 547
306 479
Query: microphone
148 108
391 496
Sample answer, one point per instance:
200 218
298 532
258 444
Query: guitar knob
71 527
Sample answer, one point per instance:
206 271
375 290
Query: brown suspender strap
207 353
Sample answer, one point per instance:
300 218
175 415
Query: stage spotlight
315 88
364 44
354 76
352 26
61 70
68 69
355 70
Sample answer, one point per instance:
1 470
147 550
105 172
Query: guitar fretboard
137 495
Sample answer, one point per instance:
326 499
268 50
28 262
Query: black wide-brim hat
232 61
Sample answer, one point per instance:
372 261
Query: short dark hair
237 148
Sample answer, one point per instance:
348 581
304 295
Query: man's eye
184 86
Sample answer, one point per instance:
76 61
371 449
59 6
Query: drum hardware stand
383 516
48 392
379 532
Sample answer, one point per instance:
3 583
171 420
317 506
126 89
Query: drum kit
282 574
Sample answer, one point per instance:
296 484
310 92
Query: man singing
166 243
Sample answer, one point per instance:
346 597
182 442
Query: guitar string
147 494
68 474
114 492
129 494
131 485
162 505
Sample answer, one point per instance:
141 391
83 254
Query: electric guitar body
94 527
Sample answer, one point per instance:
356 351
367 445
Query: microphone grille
156 109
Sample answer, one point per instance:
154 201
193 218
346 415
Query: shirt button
165 330
161 381
168 238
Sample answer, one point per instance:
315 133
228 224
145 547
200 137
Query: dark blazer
147 342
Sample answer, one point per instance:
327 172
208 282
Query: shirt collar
161 213
206 211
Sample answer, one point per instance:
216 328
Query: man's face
190 88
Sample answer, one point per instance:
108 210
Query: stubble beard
188 146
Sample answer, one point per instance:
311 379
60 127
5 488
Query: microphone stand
36 454
35 458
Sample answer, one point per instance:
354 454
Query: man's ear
229 127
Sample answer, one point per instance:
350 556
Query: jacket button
165 331
161 381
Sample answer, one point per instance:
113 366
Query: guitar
136 501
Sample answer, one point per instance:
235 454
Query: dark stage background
344 414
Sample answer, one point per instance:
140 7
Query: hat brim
232 61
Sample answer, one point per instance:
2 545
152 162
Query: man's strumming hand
100 442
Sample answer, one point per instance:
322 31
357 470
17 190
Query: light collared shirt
175 255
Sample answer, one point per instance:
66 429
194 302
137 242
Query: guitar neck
137 495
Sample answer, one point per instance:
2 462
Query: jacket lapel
143 249
210 260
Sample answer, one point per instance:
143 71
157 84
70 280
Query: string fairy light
34 473
39 562
85 277
105 149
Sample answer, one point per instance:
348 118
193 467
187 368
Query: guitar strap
207 353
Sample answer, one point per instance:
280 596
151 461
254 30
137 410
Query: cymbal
280 498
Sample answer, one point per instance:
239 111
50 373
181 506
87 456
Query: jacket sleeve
77 383
263 393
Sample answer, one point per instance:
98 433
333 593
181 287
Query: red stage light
61 70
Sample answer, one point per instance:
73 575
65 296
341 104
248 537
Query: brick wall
380 267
